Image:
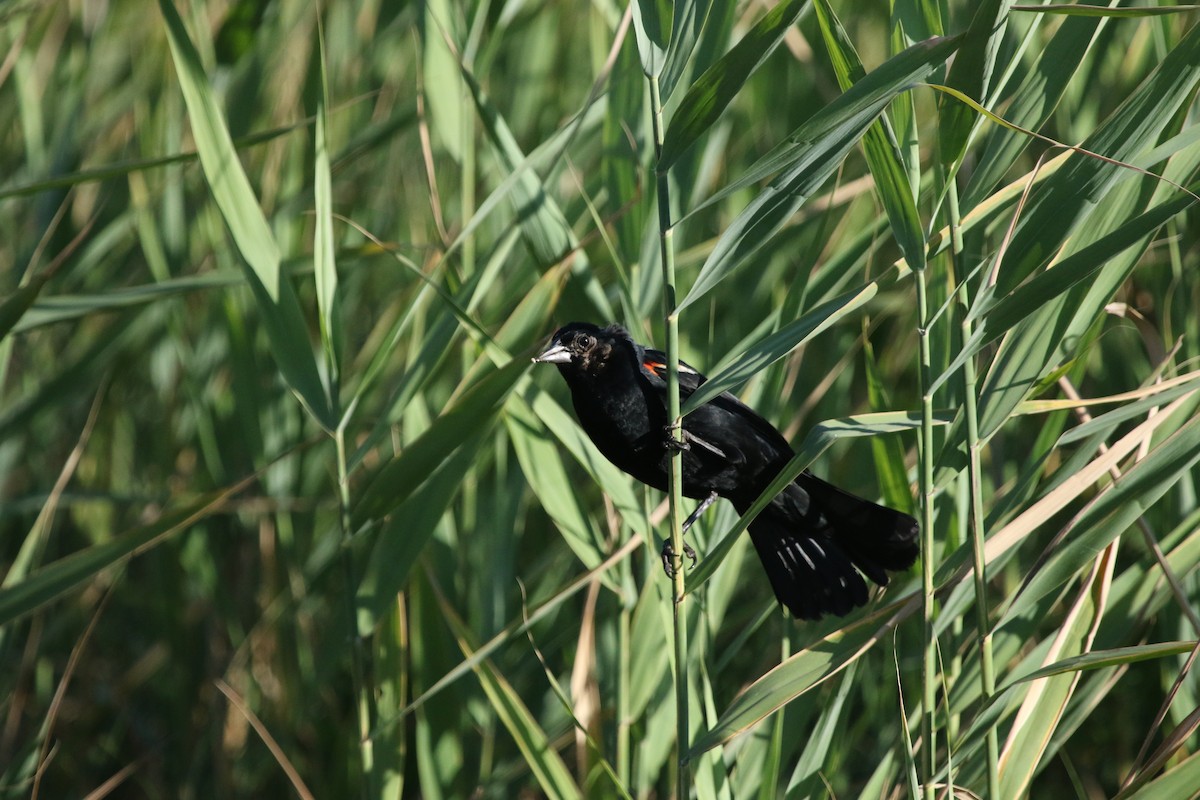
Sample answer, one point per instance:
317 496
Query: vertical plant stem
929 670
364 696
675 484
974 471
624 623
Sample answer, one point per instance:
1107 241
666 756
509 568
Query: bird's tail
817 543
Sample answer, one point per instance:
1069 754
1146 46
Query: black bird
815 541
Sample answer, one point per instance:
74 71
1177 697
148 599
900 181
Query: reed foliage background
286 510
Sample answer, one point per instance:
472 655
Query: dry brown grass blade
280 757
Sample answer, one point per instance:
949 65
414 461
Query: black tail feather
816 543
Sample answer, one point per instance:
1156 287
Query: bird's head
584 348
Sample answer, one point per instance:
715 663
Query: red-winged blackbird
815 540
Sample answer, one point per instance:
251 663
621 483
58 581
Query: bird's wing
719 418
654 366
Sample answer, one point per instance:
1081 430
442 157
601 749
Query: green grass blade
971 74
1073 191
68 573
405 535
393 483
1082 10
688 18
800 673
231 190
1098 659
1113 511
711 93
879 145
783 341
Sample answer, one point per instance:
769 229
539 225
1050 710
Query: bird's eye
585 341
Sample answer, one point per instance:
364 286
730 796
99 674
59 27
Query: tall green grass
286 510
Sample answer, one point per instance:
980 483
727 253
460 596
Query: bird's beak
557 354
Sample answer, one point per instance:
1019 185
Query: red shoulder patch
654 366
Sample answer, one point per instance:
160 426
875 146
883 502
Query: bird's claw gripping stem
668 557
672 444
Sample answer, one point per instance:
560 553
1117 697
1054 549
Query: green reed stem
929 675
974 447
675 484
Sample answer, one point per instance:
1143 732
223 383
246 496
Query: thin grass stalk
675 480
624 622
974 473
365 705
929 669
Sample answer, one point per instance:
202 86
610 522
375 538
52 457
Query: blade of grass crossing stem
785 340
879 144
801 672
1114 510
277 302
1082 10
393 483
1182 781
1098 659
819 439
538 455
675 475
406 533
544 227
809 156
1033 101
806 778
651 38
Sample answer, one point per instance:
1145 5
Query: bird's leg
700 509
668 552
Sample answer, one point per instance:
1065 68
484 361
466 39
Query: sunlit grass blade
324 261
1115 509
890 176
1033 101
710 94
1084 10
1047 697
783 341
971 73
1073 191
687 21
810 155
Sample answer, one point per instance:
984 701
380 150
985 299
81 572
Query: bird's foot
668 557
672 444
